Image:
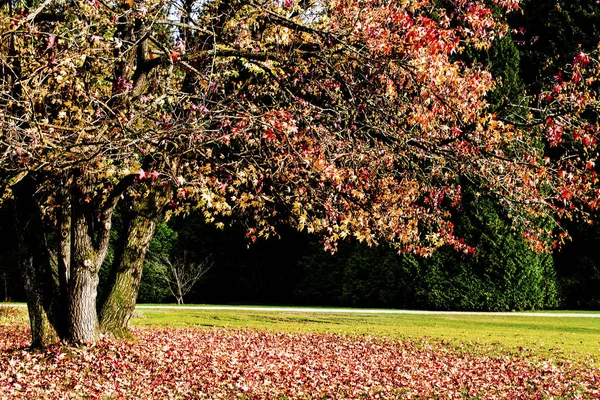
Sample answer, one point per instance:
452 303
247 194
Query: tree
504 274
181 275
9 273
342 118
153 288
550 33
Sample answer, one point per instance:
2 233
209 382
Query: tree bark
45 306
83 282
83 319
39 278
64 246
120 303
40 308
90 233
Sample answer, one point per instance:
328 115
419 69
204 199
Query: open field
258 354
575 338
571 338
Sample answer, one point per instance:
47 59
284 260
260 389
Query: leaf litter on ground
220 363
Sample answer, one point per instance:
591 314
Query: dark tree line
504 274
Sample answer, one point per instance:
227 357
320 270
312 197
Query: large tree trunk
83 281
64 246
62 295
39 278
120 303
40 308
33 256
83 319
127 274
90 232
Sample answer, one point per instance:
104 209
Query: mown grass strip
565 338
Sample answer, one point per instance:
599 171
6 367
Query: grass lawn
558 338
561 338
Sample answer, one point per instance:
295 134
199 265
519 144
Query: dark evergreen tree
550 33
505 273
578 267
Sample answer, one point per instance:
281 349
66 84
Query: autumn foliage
347 118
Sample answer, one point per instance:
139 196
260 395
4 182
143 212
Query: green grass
563 338
10 314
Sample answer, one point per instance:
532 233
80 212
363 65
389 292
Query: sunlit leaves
345 118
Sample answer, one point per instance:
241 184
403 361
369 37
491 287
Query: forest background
504 273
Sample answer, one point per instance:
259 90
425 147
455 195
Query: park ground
290 353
